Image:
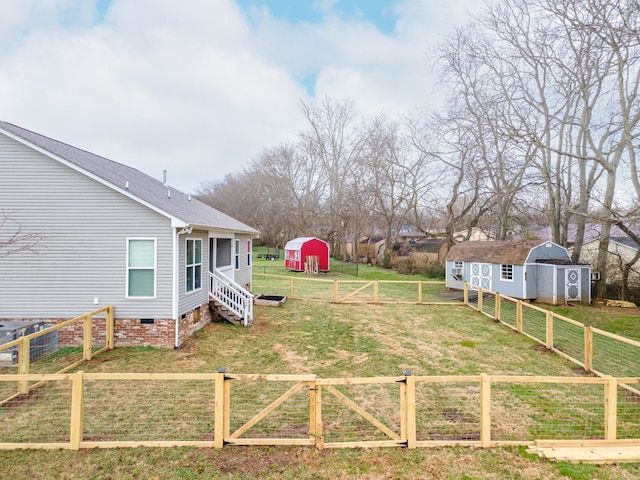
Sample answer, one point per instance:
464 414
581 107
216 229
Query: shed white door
480 276
572 285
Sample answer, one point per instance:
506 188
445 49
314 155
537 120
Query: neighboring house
622 251
433 249
477 235
114 236
524 269
306 254
410 233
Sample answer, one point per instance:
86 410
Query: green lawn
332 340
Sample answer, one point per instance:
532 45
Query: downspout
176 294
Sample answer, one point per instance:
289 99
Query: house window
237 252
506 272
193 265
248 253
223 252
141 267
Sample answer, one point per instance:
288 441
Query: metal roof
130 182
296 243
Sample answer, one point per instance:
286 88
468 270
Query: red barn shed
306 254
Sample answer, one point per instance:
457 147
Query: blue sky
200 87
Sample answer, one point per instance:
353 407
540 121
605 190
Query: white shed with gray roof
112 235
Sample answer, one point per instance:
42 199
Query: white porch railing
232 295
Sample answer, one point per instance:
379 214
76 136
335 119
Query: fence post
466 293
75 435
549 322
498 306
610 408
335 291
480 295
485 411
24 359
588 348
376 298
519 316
410 410
87 340
219 410
292 290
110 328
313 387
318 428
419 291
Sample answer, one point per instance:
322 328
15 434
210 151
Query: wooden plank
613 336
410 409
364 444
219 409
485 411
154 443
271 377
610 408
319 432
447 443
359 380
363 413
292 391
87 339
355 292
549 331
273 441
34 446
75 434
152 376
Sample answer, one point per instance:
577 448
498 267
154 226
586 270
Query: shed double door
480 276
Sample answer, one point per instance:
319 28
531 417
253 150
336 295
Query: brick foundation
132 332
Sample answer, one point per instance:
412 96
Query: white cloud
194 87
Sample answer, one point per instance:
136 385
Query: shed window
141 267
193 264
223 252
237 254
457 264
506 272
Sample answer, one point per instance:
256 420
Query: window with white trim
141 267
506 272
193 274
237 253
457 264
248 253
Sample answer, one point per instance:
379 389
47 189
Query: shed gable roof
130 182
502 252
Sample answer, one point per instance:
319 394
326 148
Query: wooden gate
354 294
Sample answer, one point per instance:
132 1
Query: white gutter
176 292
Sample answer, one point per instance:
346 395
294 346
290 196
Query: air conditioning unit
456 272
595 276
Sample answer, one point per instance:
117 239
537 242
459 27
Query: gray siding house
112 235
530 270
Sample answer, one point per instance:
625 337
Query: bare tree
13 237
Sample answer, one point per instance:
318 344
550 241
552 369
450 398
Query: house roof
430 245
130 182
503 252
626 241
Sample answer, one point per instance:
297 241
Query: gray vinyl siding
83 256
510 288
191 300
243 274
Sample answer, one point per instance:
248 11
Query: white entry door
480 276
572 285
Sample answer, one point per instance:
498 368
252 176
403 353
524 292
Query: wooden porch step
225 313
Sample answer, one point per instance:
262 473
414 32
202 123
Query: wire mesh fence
154 409
111 410
313 288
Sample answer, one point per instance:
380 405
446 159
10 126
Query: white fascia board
175 222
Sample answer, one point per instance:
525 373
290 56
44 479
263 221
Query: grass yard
330 341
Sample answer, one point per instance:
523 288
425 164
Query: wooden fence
215 410
76 331
597 351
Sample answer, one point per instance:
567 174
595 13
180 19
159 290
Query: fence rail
219 409
78 344
424 292
597 351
